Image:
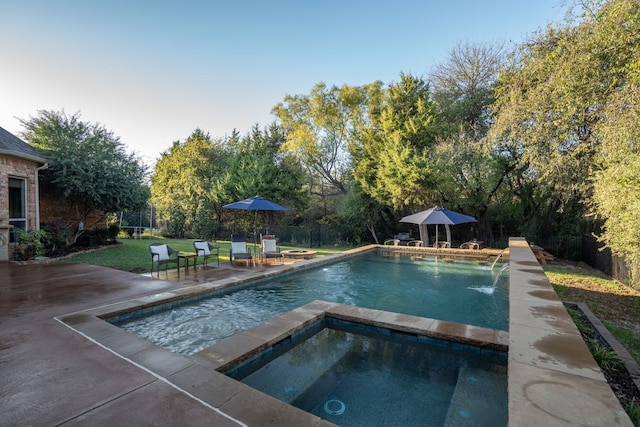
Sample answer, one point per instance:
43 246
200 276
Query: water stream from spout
489 290
497 258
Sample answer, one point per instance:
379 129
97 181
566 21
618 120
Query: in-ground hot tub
299 253
353 374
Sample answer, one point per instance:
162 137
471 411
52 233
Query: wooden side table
186 256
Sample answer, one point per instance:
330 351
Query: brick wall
53 209
18 168
14 167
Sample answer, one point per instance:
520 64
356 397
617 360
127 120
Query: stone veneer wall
17 168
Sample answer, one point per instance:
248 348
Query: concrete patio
53 376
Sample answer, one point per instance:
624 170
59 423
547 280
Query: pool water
457 290
360 379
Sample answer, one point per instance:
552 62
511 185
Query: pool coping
231 352
553 379
550 377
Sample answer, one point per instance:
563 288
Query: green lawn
616 305
133 255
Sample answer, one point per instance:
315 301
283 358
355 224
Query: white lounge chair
269 248
239 250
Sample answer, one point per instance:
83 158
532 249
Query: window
17 205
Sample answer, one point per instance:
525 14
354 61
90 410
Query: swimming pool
537 383
352 376
461 291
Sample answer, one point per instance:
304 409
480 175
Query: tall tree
258 166
472 177
186 180
551 98
364 216
90 169
616 180
391 153
463 86
463 90
567 104
548 101
318 127
194 179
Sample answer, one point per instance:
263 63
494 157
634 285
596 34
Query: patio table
186 256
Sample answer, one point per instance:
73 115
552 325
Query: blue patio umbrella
257 204
436 216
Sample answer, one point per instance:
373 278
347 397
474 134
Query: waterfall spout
497 258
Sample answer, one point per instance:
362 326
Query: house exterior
20 164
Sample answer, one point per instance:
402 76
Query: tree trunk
373 233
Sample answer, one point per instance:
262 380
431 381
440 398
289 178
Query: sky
153 71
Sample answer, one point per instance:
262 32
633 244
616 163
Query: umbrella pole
255 235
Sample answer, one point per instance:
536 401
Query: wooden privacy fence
615 266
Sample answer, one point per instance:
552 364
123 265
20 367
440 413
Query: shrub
606 358
579 321
112 232
32 244
59 235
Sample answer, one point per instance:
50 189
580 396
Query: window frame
23 221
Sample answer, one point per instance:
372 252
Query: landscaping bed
619 368
607 313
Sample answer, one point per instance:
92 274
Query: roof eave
24 156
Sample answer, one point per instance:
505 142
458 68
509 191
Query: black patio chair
206 250
162 254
